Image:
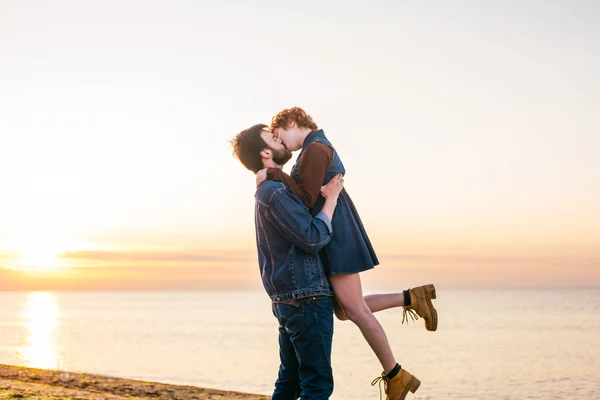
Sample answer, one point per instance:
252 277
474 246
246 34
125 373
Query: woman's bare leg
375 302
379 302
348 291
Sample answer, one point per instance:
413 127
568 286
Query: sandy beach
32 383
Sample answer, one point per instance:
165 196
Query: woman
350 251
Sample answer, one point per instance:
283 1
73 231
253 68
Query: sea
490 344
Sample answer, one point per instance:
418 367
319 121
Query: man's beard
280 157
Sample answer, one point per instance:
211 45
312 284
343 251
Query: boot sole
430 294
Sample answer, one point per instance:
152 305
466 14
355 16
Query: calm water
517 344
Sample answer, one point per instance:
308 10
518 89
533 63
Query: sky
469 131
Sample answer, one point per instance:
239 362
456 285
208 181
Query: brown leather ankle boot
420 302
398 387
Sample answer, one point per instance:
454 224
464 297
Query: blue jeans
305 337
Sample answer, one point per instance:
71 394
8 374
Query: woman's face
289 136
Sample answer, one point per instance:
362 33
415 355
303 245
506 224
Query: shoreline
34 383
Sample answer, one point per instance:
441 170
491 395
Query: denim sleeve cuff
323 217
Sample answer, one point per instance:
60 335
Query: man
288 239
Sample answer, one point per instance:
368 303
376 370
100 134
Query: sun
39 253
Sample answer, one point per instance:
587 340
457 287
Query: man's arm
296 224
313 166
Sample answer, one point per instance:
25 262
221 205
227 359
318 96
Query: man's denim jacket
288 239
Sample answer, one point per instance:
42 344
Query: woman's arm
316 159
276 174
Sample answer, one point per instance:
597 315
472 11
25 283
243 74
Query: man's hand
261 176
333 187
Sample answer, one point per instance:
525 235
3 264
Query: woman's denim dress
350 249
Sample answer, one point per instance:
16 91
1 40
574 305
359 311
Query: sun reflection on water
41 320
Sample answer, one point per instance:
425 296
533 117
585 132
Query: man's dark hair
247 146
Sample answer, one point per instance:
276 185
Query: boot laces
409 312
380 379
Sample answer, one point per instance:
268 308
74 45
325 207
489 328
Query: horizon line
479 287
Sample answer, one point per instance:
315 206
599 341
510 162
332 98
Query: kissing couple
312 247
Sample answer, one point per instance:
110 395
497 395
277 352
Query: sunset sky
469 131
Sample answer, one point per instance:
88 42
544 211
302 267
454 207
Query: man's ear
291 124
266 153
